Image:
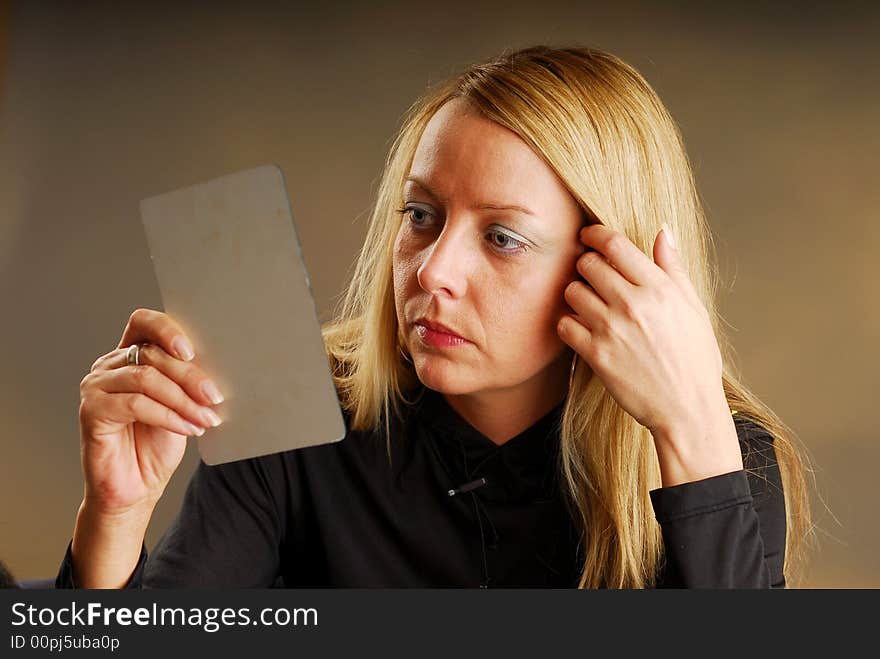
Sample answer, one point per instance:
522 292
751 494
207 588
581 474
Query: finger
575 334
109 360
113 359
188 375
131 407
151 326
667 257
605 280
636 266
591 309
151 382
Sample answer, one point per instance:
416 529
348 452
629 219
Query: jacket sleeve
727 531
65 577
228 532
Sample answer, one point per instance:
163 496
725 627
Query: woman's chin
444 378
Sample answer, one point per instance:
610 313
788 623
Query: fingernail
212 392
183 349
195 430
670 237
211 416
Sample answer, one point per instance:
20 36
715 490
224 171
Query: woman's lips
438 339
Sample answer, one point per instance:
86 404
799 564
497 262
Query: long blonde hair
604 131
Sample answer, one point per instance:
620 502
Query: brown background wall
101 107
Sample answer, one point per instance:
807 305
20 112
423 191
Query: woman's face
486 246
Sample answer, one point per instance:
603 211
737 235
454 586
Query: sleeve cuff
65 578
699 497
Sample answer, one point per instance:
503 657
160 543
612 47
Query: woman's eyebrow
485 206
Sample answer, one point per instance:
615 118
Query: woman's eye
505 243
417 216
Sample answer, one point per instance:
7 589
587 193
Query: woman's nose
444 270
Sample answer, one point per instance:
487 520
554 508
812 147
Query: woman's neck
502 414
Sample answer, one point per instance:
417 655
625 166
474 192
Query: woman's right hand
134 419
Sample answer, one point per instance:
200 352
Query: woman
528 359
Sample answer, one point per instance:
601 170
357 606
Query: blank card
230 271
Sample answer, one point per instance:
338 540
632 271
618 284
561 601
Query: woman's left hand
645 333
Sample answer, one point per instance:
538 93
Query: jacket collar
522 469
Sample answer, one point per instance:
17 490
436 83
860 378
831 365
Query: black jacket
340 515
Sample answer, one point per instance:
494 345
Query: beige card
230 270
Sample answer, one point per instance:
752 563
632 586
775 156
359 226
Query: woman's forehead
462 155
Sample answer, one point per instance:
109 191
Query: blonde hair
604 131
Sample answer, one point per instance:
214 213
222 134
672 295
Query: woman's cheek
545 306
404 264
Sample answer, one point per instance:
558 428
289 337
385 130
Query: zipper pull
467 487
